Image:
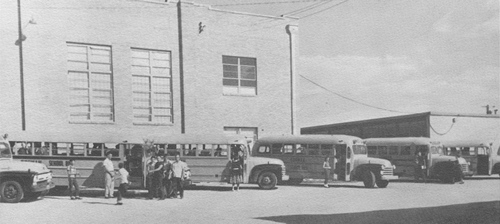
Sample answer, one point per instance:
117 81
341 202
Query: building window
152 87
249 132
240 76
90 80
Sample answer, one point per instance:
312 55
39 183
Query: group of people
421 167
165 177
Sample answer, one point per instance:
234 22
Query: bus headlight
393 167
468 163
383 167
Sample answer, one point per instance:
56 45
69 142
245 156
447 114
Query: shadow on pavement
480 212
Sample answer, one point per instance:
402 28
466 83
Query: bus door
135 164
341 162
483 163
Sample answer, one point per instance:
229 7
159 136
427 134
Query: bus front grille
388 171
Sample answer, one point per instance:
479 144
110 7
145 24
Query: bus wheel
382 183
11 191
369 179
267 180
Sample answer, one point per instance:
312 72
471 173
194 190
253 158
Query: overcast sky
401 55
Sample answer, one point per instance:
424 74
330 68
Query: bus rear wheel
11 191
382 183
267 180
369 179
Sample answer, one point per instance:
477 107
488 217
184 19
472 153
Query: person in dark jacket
237 170
421 167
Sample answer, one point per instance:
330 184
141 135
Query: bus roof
198 139
466 143
308 139
400 141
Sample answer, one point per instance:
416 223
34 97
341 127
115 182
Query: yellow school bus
482 156
402 152
208 159
304 156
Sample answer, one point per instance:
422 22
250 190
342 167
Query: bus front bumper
285 178
43 186
387 177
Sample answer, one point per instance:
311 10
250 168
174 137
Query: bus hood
24 167
369 160
264 160
438 158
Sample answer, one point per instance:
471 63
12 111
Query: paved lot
476 201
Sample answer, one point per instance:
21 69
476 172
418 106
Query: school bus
482 157
208 159
304 156
402 152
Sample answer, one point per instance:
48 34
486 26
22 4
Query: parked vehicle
20 180
304 155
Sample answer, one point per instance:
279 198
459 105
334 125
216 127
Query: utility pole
20 40
181 65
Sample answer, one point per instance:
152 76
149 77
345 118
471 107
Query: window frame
239 77
91 87
151 93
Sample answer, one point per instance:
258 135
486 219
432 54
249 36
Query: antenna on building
488 111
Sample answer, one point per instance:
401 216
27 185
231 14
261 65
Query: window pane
230 82
288 149
229 60
248 83
248 72
393 150
382 150
247 61
276 148
140 70
405 150
248 91
372 150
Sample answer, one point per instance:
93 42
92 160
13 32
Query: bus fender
496 168
257 170
358 171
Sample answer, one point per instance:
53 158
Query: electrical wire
307 8
446 132
352 100
268 3
320 11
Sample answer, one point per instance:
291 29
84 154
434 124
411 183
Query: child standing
72 181
327 168
123 180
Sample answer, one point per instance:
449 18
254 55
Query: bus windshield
359 149
4 151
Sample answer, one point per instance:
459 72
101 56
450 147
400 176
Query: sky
390 57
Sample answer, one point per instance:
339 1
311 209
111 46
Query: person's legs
70 188
327 175
107 186
77 188
163 191
180 187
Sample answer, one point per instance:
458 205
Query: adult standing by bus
178 169
109 184
421 166
237 169
150 167
327 168
158 180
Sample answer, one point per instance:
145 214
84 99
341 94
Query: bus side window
299 149
206 150
276 148
482 151
77 149
405 150
326 149
288 149
313 149
467 152
263 149
172 150
222 149
372 150
393 150
382 150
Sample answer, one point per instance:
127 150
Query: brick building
115 70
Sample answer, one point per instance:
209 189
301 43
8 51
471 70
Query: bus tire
369 179
11 191
382 183
267 180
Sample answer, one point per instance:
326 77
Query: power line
307 8
340 3
347 98
268 3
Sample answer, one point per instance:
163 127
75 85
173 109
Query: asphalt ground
476 201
